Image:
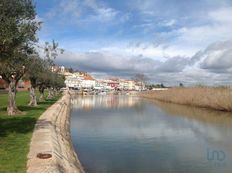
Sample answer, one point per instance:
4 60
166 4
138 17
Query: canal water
125 134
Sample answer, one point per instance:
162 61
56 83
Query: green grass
16 132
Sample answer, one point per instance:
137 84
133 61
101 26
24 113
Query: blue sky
170 41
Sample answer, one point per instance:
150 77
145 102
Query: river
126 134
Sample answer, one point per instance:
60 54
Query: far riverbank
204 97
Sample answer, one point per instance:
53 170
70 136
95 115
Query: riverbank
204 97
51 148
16 131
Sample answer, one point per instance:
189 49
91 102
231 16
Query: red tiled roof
88 77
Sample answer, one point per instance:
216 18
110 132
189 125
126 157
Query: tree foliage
18 56
17 36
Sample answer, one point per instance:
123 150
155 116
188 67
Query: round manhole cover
44 155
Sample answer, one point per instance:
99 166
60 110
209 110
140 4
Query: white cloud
63 8
222 15
102 15
209 66
169 23
187 40
169 52
107 62
82 11
218 57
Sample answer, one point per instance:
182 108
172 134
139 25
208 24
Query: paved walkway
51 150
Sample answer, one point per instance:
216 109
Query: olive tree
51 51
43 82
36 68
58 83
17 36
51 81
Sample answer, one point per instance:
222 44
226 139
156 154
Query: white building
100 85
73 82
88 82
80 81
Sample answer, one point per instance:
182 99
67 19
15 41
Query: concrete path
51 150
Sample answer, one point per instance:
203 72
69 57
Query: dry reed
205 97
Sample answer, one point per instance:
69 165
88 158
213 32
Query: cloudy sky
171 41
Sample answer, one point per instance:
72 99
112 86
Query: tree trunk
41 98
50 94
41 91
56 92
33 101
12 108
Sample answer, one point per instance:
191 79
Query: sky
170 41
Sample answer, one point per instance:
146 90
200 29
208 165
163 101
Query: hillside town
82 80
78 80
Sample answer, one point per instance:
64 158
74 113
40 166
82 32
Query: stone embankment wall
51 149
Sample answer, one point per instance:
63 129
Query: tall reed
206 97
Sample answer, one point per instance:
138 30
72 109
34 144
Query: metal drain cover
44 155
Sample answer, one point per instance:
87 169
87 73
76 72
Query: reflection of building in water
87 103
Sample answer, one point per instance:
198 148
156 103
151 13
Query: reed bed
205 97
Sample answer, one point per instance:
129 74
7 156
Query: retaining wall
51 149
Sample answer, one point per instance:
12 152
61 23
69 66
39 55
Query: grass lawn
16 132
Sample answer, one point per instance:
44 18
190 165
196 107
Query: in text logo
216 158
216 155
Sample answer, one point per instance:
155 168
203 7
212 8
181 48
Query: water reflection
205 123
128 134
206 115
87 103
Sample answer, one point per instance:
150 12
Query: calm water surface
123 134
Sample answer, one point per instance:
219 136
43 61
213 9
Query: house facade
88 82
80 81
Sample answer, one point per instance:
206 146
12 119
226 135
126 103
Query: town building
81 80
88 82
